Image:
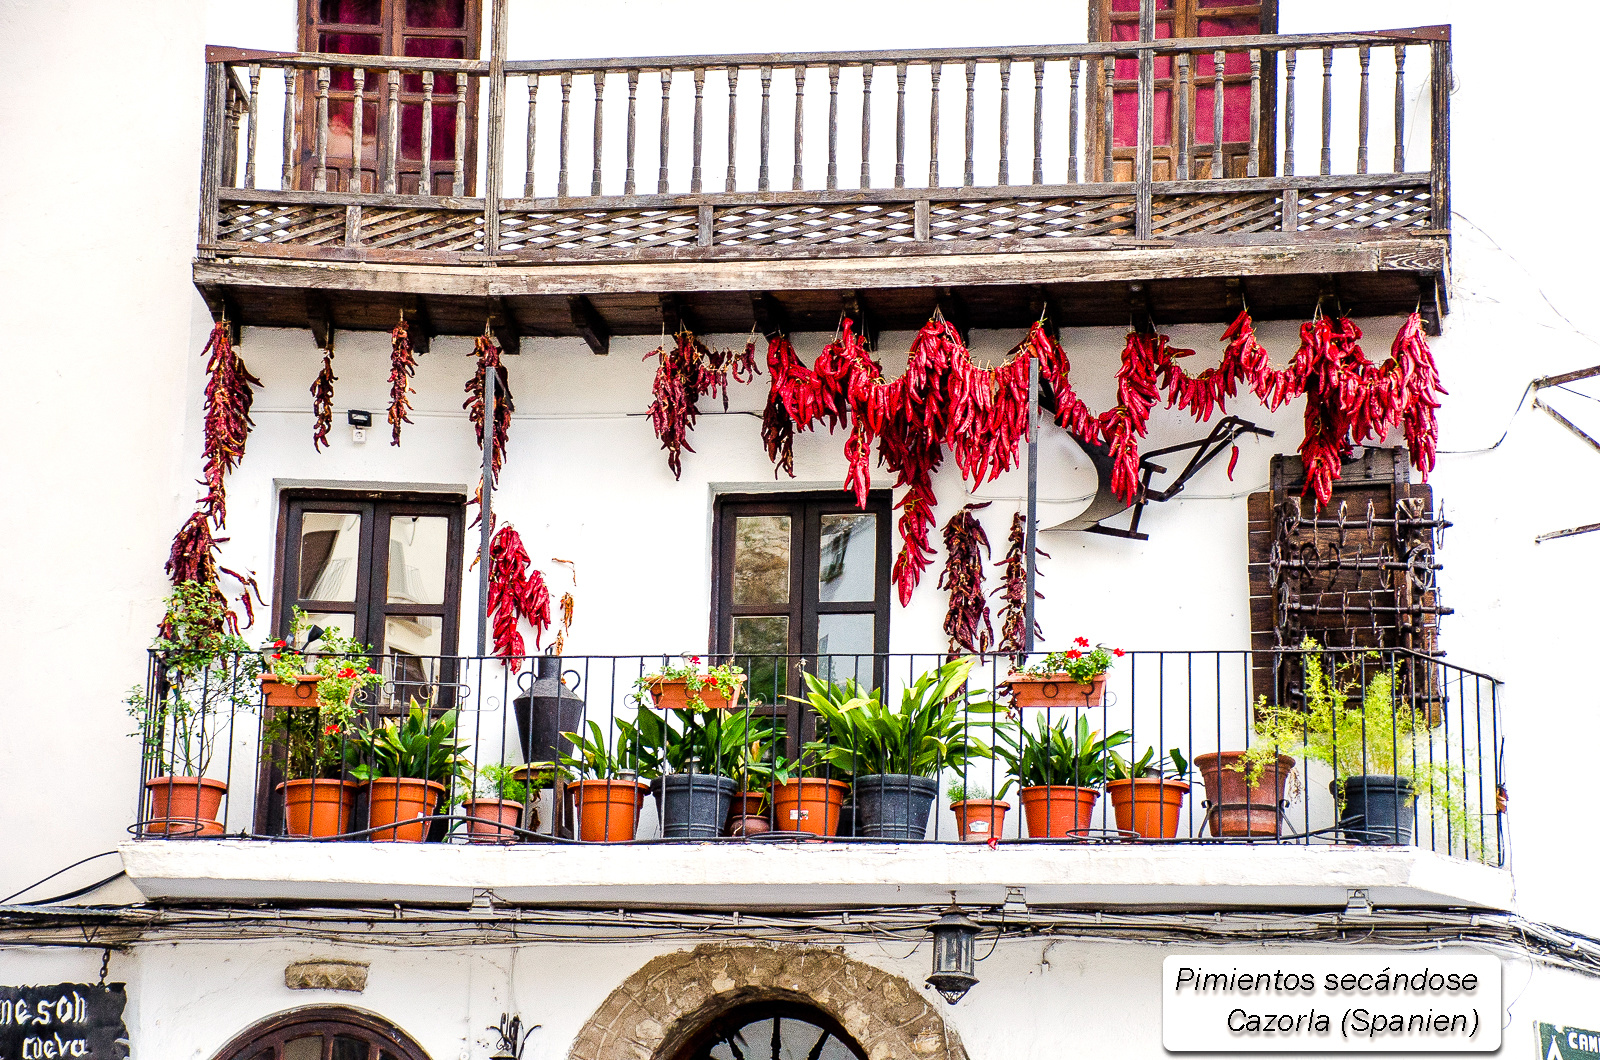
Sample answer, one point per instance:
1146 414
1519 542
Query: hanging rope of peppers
1013 589
516 592
322 399
966 546
685 372
402 366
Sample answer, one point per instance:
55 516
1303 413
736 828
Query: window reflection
759 644
413 643
761 559
849 560
418 545
330 545
844 647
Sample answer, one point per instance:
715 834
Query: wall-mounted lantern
954 938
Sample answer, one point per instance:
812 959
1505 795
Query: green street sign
1567 1043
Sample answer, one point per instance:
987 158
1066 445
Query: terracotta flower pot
1235 808
302 693
394 805
1058 811
321 808
1148 807
979 820
184 807
808 804
607 810
747 826
1056 690
492 820
673 694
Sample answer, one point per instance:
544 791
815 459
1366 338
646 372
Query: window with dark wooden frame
802 575
435 29
323 1033
383 568
1118 20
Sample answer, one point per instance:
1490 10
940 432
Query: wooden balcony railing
1172 142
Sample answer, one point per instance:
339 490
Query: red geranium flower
695 659
370 670
332 730
1117 652
1082 642
280 644
347 672
274 657
1074 653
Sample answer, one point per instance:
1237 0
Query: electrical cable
80 891
8 898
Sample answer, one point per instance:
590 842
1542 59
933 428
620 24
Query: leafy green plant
496 781
1079 662
961 791
593 757
1356 728
417 746
343 663
1050 755
697 741
725 678
932 729
1147 766
205 678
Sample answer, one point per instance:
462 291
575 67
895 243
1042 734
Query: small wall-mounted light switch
359 421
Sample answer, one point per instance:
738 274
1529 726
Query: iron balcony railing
1217 139
1394 713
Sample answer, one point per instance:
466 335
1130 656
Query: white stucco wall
100 414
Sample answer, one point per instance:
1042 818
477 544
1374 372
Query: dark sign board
63 1022
1567 1043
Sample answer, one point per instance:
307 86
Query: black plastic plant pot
693 805
1378 810
893 806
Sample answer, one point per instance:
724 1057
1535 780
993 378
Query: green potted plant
895 755
1075 677
1059 772
692 685
690 752
753 772
1356 721
1146 801
604 787
406 764
495 808
979 818
312 734
204 678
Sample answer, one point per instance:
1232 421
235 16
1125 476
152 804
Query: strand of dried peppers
966 545
1013 589
402 366
682 376
322 399
515 592
229 394
488 359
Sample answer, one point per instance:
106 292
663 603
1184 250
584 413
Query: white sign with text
1404 1002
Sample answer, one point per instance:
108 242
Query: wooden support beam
588 322
1139 307
1235 287
222 308
854 305
1328 297
419 324
675 315
769 316
503 323
319 318
1431 304
948 304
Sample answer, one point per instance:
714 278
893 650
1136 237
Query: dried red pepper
488 355
322 399
966 545
683 374
1013 589
229 394
402 366
515 592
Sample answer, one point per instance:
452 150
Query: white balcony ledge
776 877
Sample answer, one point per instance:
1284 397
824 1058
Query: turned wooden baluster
599 129
764 179
561 147
353 183
290 82
1289 59
797 181
900 126
1365 54
867 74
1183 116
732 182
662 182
1327 111
1108 68
319 180
250 128
1399 108
1005 122
533 116
934 71
1219 61
1038 121
699 127
1074 68
833 126
391 161
972 77
629 182
458 183
1253 165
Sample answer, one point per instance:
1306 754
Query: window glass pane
844 637
345 624
342 80
418 545
434 48
436 14
350 12
347 1048
330 546
758 644
413 643
849 562
444 139
761 559
304 1049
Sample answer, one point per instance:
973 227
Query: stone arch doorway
771 1030
322 1033
678 1002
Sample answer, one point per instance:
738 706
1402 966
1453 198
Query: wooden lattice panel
596 229
1177 215
1366 208
409 229
294 223
853 224
1029 218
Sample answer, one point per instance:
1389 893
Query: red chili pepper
1233 462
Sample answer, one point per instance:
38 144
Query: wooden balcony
1100 182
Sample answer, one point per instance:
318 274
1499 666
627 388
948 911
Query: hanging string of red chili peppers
685 372
515 592
402 366
488 355
322 399
1013 589
966 547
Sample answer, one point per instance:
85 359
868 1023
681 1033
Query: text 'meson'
1374 1002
